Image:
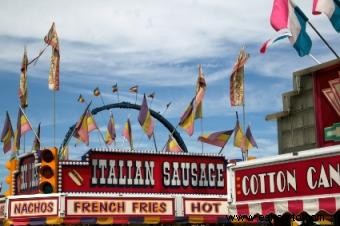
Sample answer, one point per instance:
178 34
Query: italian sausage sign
140 172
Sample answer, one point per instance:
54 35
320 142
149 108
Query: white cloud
157 44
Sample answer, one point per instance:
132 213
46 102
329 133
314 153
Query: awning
147 220
310 206
34 221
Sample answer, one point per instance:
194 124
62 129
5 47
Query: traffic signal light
48 171
11 165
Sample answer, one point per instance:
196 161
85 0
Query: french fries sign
117 206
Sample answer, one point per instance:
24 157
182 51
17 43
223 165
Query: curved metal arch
128 105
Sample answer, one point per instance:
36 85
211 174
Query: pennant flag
24 124
52 39
91 123
36 142
81 130
187 119
283 35
115 88
23 81
172 145
237 80
250 141
331 8
134 89
16 140
285 15
238 136
152 95
333 132
144 118
200 91
217 138
110 134
7 134
17 133
96 92
81 99
127 133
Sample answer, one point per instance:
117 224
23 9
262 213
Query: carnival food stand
124 187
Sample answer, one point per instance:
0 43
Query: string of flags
86 123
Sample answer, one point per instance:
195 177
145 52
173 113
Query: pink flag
279 16
331 8
286 15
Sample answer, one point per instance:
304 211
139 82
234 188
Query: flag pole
54 119
35 60
117 96
245 153
171 134
166 108
154 141
316 60
220 152
202 132
110 115
153 133
72 133
136 99
100 132
243 109
322 38
29 123
24 137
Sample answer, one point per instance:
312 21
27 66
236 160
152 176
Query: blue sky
157 45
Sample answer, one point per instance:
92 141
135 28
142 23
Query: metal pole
74 129
153 133
100 132
29 123
316 60
322 38
54 118
202 132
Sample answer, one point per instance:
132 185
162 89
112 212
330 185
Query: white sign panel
33 207
205 207
112 206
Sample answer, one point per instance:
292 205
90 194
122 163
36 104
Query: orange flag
52 39
188 118
144 118
7 134
81 130
200 91
237 80
110 134
23 81
127 133
172 145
